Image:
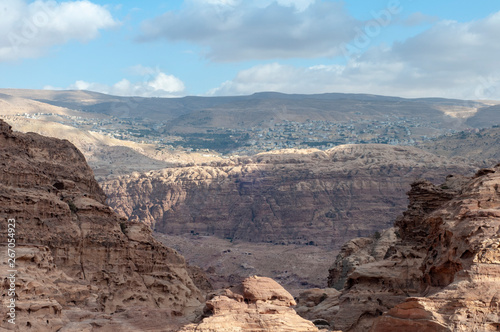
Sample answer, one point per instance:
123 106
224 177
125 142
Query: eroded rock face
289 197
259 304
79 265
441 273
357 252
318 305
461 269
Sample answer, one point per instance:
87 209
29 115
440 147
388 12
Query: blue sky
409 48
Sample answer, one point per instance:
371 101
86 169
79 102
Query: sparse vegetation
217 142
123 227
72 206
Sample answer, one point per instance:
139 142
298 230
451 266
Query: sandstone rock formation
287 197
441 272
318 305
357 252
80 267
258 305
460 286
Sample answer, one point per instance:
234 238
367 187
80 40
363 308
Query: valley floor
295 267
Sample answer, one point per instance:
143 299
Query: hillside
485 117
479 145
245 125
197 114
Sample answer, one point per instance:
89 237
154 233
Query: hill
479 145
485 117
195 114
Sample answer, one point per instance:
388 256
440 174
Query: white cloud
300 5
142 70
353 78
454 46
155 84
452 59
30 28
382 78
235 30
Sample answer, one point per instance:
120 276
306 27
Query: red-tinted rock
78 262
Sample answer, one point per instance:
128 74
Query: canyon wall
286 197
438 269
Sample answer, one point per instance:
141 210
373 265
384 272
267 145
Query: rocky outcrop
286 197
357 252
318 305
461 268
258 305
441 272
80 267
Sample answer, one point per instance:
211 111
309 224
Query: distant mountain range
194 114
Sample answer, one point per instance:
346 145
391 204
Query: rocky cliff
80 267
287 197
437 270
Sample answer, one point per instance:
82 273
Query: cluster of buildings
271 136
325 134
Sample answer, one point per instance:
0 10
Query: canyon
286 197
92 259
81 267
274 213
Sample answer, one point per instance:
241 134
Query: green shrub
72 207
123 227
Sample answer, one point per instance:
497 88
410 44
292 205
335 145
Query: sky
406 48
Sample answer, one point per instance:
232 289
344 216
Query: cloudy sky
408 48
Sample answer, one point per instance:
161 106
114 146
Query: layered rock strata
80 267
441 271
460 284
288 197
